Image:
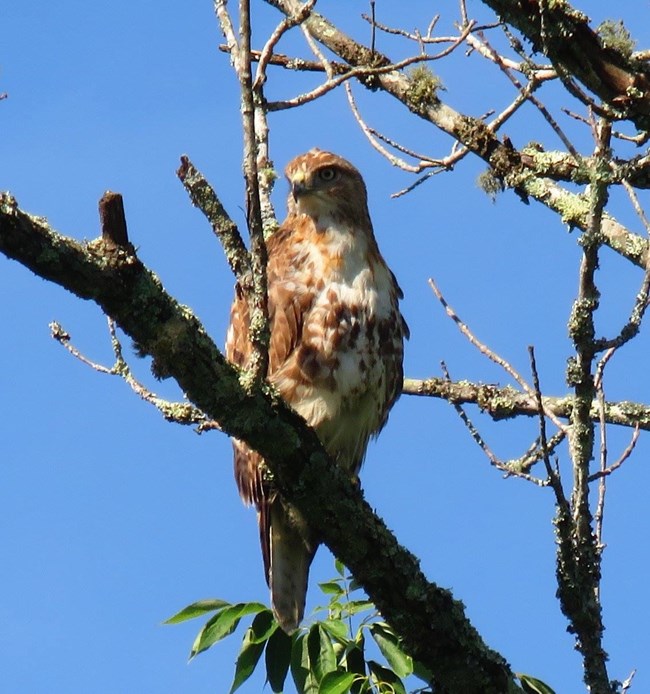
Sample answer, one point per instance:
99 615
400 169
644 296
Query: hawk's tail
290 555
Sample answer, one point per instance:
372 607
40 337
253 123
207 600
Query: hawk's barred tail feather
289 568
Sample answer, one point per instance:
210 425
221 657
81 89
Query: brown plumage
335 352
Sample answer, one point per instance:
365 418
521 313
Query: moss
268 174
614 35
269 228
490 183
424 87
572 207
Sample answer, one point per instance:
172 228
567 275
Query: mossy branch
433 624
507 402
606 68
505 161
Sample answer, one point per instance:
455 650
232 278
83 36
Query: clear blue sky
112 519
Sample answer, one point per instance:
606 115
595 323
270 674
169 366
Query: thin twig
625 686
374 136
636 204
627 452
395 161
535 453
633 325
482 444
292 63
528 89
178 412
521 98
486 351
599 514
264 56
553 476
539 74
355 72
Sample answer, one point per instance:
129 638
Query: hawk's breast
345 370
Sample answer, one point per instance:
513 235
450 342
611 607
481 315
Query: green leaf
337 628
340 567
383 676
336 683
388 644
321 652
277 658
263 626
355 606
222 625
332 588
355 585
422 671
247 659
196 609
355 663
300 667
531 685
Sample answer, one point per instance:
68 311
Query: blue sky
112 519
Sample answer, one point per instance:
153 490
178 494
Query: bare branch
627 452
578 554
265 56
177 412
625 686
536 452
511 471
538 74
296 64
553 476
637 205
112 219
486 351
204 197
527 91
357 72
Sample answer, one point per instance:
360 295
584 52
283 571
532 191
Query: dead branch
176 412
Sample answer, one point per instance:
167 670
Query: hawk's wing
287 306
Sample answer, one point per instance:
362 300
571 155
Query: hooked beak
298 188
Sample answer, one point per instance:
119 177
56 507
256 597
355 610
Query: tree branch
419 95
578 556
507 402
203 196
433 624
258 332
563 34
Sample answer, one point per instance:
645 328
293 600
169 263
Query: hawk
335 352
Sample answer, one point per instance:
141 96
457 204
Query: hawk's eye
328 174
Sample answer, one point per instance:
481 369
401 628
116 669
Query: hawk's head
324 184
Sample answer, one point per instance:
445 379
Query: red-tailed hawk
335 354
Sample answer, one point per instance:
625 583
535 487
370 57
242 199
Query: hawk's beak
298 188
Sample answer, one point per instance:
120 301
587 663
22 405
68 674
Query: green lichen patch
614 35
423 90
